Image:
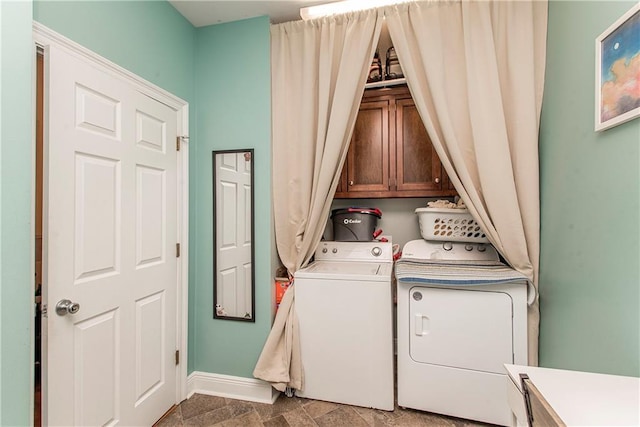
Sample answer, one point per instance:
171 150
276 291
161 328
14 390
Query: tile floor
203 410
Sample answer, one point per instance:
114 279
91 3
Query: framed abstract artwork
618 71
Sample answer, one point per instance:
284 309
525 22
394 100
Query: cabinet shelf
385 83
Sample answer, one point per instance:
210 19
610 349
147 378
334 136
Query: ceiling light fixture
346 6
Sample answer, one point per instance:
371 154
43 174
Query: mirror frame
250 151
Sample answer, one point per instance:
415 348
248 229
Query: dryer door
469 329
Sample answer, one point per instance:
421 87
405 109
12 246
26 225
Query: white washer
344 306
461 316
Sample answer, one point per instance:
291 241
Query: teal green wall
149 38
590 222
233 110
16 289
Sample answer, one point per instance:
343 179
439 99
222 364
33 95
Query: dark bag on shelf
392 67
375 70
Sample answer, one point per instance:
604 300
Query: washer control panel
354 251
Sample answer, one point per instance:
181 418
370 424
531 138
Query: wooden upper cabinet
390 154
368 157
418 165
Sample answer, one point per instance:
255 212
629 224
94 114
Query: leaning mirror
233 277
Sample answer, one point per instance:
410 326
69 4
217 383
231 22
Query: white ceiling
208 12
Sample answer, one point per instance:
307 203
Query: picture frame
617 55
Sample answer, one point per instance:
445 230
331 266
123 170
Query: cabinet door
448 185
368 157
418 165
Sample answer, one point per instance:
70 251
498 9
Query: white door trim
44 36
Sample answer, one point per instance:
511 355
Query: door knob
65 306
437 180
350 182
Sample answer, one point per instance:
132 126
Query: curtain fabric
475 70
318 72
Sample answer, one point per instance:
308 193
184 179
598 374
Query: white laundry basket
454 225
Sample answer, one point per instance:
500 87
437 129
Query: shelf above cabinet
385 83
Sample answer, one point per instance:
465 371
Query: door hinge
177 250
179 139
177 357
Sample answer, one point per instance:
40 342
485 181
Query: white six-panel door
111 232
233 233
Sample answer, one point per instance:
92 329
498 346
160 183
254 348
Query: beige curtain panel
476 72
318 72
280 361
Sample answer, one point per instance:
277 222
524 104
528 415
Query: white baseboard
232 387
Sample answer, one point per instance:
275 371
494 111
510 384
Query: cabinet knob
350 182
437 180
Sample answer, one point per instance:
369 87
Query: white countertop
585 399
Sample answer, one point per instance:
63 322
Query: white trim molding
240 388
44 35
182 314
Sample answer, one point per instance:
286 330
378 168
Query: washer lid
343 270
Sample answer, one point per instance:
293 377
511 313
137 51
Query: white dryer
344 306
461 316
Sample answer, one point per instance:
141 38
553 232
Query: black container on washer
355 224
